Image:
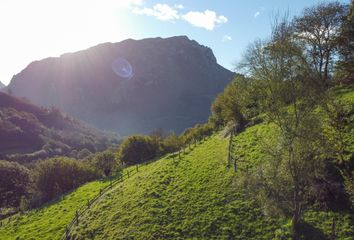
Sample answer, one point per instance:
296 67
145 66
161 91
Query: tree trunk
333 234
297 214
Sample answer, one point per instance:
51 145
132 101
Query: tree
318 29
105 162
287 97
58 175
236 103
15 183
171 143
345 40
137 149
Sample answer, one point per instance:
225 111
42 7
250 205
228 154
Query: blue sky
34 29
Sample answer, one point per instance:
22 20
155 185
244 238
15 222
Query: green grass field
193 197
49 221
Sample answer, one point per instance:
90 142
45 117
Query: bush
58 175
171 143
137 149
105 162
15 183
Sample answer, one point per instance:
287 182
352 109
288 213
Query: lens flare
122 68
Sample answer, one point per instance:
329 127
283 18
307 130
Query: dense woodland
290 81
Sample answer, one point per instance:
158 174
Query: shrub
105 162
137 149
15 183
171 143
58 175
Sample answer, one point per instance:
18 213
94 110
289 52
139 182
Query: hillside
29 132
133 86
2 85
194 197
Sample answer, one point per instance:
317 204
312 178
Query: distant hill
2 85
133 86
29 132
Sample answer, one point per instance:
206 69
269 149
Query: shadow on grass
310 232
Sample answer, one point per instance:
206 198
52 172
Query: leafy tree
345 40
15 183
171 143
137 149
58 175
105 162
318 30
288 98
237 103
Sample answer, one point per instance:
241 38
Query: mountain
2 85
133 86
29 132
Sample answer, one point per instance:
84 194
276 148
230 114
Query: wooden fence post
128 173
67 233
88 203
77 218
110 183
137 168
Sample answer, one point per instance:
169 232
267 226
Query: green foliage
339 132
171 143
290 72
59 175
105 162
236 103
251 158
196 133
15 183
318 28
345 65
137 149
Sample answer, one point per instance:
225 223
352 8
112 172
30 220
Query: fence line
85 208
231 156
90 202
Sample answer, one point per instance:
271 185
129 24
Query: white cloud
207 19
257 14
179 6
160 11
129 3
226 38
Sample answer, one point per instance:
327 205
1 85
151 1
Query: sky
35 29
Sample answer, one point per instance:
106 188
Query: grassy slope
189 198
50 221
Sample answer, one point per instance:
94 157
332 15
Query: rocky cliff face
133 86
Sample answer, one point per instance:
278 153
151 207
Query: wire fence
90 202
